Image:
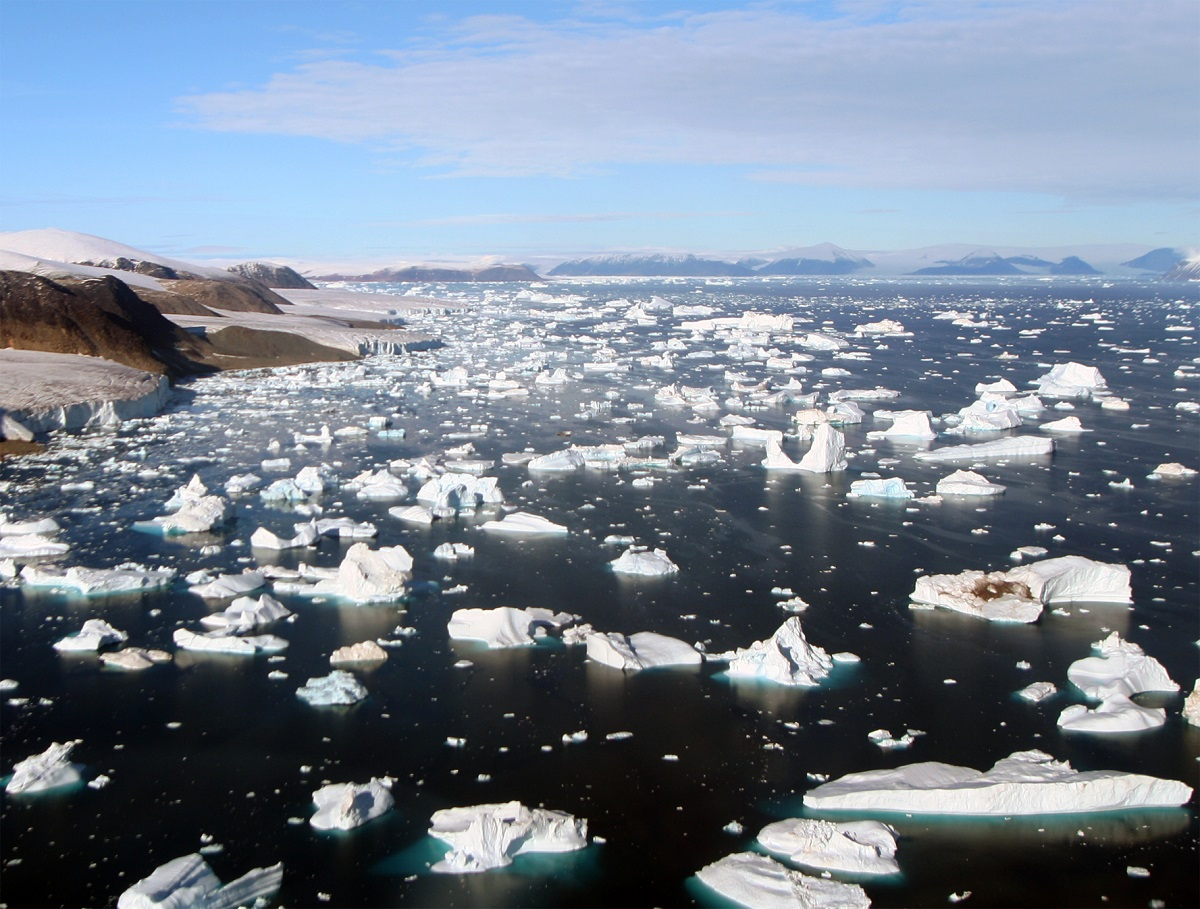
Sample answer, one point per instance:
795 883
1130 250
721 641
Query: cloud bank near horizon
1091 102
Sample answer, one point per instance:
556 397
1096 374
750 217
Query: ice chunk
1000 387
967 483
1116 713
1038 691
910 424
1011 447
223 642
786 657
1026 782
890 488
1171 469
230 585
638 560
90 582
751 435
1121 667
827 453
483 837
1074 578
566 460
30 546
306 535
413 514
96 633
344 806
49 770
189 883
43 527
1065 425
857 847
198 515
368 575
1070 380
1191 705
451 552
454 492
246 613
336 689
522 522
362 652
643 650
504 626
761 882
343 528
134 659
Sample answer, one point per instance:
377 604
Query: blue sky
391 132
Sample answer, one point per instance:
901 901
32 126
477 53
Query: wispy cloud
1080 99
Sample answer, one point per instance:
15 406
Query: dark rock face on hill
142 267
1073 265
974 264
422 274
98 317
279 276
236 295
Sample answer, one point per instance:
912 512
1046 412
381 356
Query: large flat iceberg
51 769
344 806
643 650
858 847
1026 782
1011 447
504 626
761 882
483 837
189 883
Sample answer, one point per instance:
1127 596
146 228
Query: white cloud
1088 100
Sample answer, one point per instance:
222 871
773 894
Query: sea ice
642 650
1065 425
1026 782
198 515
857 847
454 492
827 453
452 552
362 652
1038 691
96 633
638 560
246 613
90 582
225 642
230 585
761 882
910 424
339 688
189 883
786 657
504 626
890 488
489 836
48 770
367 575
344 806
1116 713
1171 469
1121 667
1070 380
1011 447
134 659
45 527
522 522
1191 705
31 546
306 535
967 483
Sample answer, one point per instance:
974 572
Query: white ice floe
246 613
1191 705
44 527
51 769
225 642
134 659
786 658
827 454
452 552
565 460
1019 594
366 575
306 535
1026 782
857 847
96 633
92 582
362 652
1116 713
1065 425
377 486
413 514
227 585
1172 469
454 492
31 546
1038 691
344 806
910 424
189 883
483 837
522 522
967 483
339 688
760 882
1011 447
198 515
889 488
642 650
1070 380
638 560
1120 667
504 626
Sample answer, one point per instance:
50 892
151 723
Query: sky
398 132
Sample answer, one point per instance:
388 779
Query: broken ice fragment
344 806
49 770
336 689
858 847
483 837
786 657
189 883
761 882
638 560
643 650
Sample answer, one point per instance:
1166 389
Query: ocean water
209 750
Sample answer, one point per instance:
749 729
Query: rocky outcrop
423 274
235 295
279 276
141 266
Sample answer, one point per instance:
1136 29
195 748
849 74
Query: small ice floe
642 650
483 837
344 806
339 688
505 626
413 514
198 515
1038 691
642 561
1070 380
1191 705
94 634
95 582
362 652
751 879
1065 425
1032 552
31 546
1019 594
827 453
365 576
1011 447
1120 667
189 881
522 522
883 738
134 659
51 769
967 483
856 847
892 488
247 613
305 535
1026 782
1116 713
452 552
226 642
226 585
786 658
1171 470
43 527
450 493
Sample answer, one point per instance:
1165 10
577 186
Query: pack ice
761 882
189 883
1025 782
1019 594
344 806
483 837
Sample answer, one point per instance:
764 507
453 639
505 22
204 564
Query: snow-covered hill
68 247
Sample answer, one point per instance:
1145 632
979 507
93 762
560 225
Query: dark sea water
209 746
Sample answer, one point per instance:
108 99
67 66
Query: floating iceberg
223 642
1191 706
858 847
344 806
504 626
1012 447
189 883
890 488
90 582
483 837
306 535
1038 691
967 483
1070 380
522 522
367 575
377 486
1026 782
761 882
643 650
638 560
1171 469
452 552
1121 667
193 491
339 688
566 460
96 633
134 659
786 657
49 770
1065 425
229 585
454 492
194 516
362 652
910 424
43 527
246 613
1116 713
30 546
827 453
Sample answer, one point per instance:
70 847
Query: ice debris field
635 592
